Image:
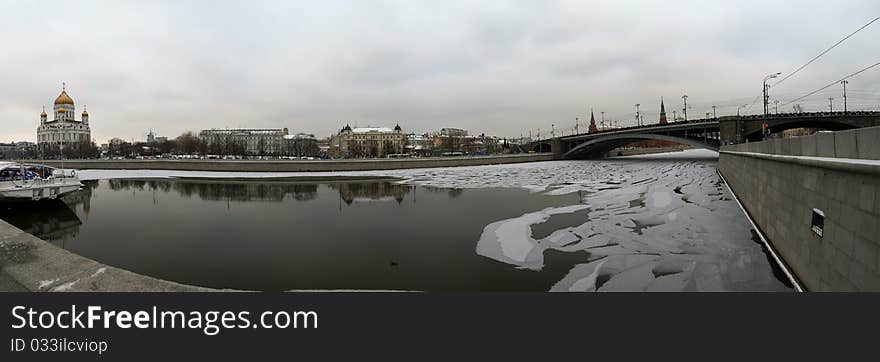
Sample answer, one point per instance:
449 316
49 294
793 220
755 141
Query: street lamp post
685 109
766 93
576 125
713 113
638 117
831 104
776 105
603 120
844 82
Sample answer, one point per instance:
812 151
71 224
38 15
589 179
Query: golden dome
85 112
63 98
43 113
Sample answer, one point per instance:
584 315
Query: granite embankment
28 263
817 200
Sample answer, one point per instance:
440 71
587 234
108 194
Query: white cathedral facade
63 128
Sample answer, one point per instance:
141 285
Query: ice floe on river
510 241
654 222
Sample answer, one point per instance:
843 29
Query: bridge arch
542 147
595 148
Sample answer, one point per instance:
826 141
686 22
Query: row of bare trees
50 151
187 143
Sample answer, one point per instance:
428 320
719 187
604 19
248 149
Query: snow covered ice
661 222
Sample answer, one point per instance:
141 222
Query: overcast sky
499 67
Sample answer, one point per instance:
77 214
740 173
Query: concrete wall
862 143
295 166
779 193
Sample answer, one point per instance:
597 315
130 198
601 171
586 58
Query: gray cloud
500 67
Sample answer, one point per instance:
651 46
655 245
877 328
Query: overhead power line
825 51
831 84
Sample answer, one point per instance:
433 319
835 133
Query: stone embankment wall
28 263
781 182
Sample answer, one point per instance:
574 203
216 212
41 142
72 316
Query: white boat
31 182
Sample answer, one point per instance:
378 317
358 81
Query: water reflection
56 220
222 191
369 192
282 235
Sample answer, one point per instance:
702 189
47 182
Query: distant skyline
499 67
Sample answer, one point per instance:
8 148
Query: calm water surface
282 235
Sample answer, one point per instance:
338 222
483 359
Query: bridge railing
647 126
811 115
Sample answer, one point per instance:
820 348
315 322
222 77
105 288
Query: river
650 223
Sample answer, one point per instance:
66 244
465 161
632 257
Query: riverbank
30 264
298 165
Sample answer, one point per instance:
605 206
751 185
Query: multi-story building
244 141
369 141
63 129
451 140
453 132
153 138
419 144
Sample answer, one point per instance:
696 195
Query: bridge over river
709 133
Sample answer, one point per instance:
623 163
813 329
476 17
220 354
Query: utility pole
552 130
713 113
576 125
685 109
766 93
831 104
674 116
776 104
603 120
844 82
638 118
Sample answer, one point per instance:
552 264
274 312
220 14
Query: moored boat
32 182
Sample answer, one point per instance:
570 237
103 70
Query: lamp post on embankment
766 93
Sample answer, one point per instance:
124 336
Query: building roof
299 136
251 131
371 129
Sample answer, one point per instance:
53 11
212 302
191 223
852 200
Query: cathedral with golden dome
63 128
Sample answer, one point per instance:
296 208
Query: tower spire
662 112
593 128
